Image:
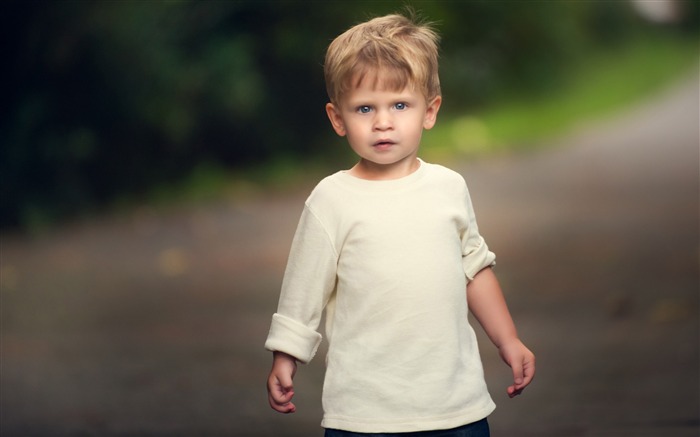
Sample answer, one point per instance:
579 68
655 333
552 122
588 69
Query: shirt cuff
478 260
293 338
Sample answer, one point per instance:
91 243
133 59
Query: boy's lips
383 144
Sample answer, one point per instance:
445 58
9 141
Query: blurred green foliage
113 98
609 81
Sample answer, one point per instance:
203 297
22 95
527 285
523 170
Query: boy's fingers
528 370
280 388
280 395
286 384
285 407
522 375
517 373
282 402
282 405
513 391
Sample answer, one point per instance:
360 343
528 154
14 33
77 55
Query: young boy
387 248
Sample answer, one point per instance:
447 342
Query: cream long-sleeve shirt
389 261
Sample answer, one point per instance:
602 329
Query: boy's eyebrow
368 100
395 98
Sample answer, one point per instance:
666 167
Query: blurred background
111 103
155 156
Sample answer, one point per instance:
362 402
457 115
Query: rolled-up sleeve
309 281
475 253
291 337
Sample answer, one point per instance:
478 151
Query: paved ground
152 323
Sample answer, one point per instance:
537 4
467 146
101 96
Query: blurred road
152 324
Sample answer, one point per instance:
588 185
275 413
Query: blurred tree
112 98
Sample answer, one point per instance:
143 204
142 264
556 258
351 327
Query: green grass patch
602 84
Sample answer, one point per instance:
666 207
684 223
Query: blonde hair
399 49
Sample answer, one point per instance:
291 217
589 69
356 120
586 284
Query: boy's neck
372 171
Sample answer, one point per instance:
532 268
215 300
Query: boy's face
383 127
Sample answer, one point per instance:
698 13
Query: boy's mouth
383 144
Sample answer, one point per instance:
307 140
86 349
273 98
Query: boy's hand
280 388
522 362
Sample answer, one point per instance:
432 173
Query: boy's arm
280 387
307 285
487 304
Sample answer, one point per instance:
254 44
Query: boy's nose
382 121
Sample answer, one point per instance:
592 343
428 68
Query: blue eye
400 106
364 109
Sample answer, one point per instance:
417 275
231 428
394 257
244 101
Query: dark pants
476 429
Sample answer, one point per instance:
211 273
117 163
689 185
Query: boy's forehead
377 79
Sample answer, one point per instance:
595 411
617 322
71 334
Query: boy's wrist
504 342
279 355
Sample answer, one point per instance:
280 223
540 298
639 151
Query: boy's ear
431 112
336 119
